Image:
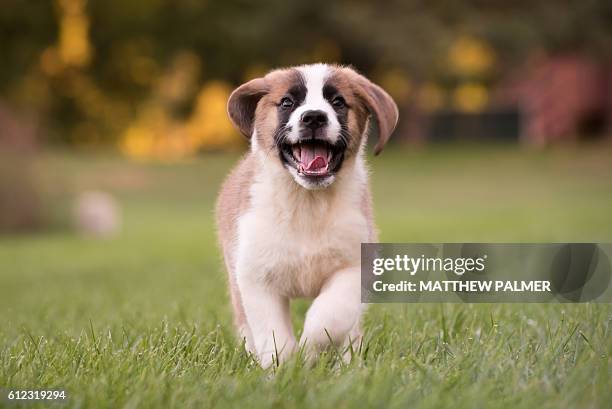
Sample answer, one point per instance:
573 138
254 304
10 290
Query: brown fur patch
233 201
342 79
266 115
368 99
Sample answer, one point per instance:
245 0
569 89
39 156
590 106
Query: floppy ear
382 107
243 102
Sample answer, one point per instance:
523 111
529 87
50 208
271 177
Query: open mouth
313 158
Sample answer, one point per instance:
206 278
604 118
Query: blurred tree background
152 76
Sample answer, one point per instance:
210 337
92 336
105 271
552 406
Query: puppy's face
311 119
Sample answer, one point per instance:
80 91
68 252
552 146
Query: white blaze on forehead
315 77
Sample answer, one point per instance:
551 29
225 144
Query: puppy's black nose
314 119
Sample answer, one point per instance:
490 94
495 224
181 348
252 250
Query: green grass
143 320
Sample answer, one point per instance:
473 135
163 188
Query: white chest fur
293 239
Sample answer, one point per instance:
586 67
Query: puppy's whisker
279 139
344 135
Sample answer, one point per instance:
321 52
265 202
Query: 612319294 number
36 395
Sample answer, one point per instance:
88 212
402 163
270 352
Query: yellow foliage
155 135
74 46
140 140
396 83
209 125
182 77
137 142
50 62
470 56
470 97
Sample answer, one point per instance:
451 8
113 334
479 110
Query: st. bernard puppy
292 214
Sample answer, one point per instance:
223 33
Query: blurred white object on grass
97 214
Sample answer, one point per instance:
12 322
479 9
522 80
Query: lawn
143 319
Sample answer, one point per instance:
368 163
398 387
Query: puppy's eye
338 102
286 103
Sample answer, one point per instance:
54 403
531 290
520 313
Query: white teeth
297 152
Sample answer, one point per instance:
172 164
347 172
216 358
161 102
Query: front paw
276 354
324 326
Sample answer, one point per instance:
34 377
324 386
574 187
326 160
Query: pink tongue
313 158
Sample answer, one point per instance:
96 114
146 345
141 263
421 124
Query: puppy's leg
268 316
240 321
335 314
